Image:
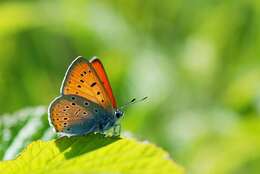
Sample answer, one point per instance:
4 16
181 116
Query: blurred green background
198 61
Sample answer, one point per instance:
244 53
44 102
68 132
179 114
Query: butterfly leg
116 130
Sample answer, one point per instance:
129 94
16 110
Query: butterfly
86 103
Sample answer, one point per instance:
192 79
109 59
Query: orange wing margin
99 68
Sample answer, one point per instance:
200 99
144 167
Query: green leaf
93 153
21 128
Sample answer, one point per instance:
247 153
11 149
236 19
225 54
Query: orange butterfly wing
65 112
99 68
81 79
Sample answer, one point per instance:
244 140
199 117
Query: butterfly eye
119 114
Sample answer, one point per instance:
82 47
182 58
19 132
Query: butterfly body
86 103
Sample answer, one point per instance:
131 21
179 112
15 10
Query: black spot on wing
93 84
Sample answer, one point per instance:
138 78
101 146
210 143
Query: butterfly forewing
98 66
82 80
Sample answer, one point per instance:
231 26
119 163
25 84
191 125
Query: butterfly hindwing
73 114
82 80
98 66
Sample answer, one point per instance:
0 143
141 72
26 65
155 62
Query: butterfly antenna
133 101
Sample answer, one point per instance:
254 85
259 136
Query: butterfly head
118 113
